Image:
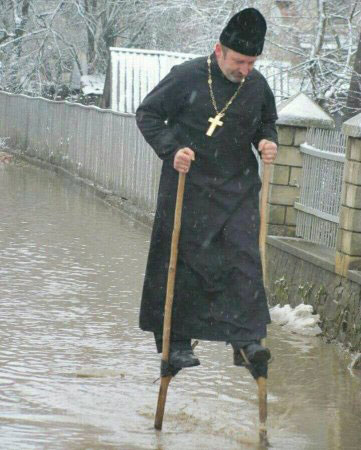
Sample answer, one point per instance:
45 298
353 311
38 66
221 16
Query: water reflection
76 372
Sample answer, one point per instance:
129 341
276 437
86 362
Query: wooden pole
262 406
165 380
263 222
261 381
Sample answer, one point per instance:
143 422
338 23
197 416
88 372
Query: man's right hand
182 159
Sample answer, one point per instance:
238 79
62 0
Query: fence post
348 246
295 115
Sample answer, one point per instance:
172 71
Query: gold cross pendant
215 122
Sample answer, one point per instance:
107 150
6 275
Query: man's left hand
268 150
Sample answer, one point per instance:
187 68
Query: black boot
181 354
257 356
183 358
255 353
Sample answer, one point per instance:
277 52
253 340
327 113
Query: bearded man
202 119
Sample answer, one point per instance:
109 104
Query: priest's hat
245 32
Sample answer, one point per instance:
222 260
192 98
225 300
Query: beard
234 77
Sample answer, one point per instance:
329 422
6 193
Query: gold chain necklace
215 121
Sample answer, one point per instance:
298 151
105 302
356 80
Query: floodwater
76 372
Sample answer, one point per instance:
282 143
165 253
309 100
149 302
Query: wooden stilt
162 397
165 380
263 219
262 405
261 381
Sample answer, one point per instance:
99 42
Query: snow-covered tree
34 51
42 40
353 104
321 42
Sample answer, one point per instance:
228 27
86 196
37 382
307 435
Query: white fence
107 148
100 145
320 196
134 72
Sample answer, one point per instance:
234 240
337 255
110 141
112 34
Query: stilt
262 381
262 405
165 370
162 397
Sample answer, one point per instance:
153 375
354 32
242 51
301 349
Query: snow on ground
299 320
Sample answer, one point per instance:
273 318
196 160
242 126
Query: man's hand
182 159
268 151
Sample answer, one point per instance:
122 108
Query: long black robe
219 292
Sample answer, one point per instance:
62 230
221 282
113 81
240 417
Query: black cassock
219 292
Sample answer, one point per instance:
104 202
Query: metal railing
320 195
103 146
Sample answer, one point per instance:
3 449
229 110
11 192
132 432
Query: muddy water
77 373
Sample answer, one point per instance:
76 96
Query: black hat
245 32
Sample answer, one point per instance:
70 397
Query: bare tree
102 21
353 104
42 40
29 48
321 40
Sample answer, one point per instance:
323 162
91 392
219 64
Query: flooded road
76 372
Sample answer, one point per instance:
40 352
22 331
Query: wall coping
301 111
354 275
319 255
352 127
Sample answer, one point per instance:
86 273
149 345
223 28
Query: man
201 119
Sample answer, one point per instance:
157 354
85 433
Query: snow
302 111
3 143
356 362
298 320
92 84
352 127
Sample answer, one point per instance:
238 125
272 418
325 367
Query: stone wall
302 272
294 279
295 116
348 255
285 181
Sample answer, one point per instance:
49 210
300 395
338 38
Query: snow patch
352 127
299 320
92 84
3 143
300 110
356 362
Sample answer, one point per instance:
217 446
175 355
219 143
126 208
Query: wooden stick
262 405
162 397
263 222
262 402
164 383
261 381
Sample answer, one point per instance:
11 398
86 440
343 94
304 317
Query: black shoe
183 358
238 359
255 353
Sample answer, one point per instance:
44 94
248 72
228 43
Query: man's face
234 66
